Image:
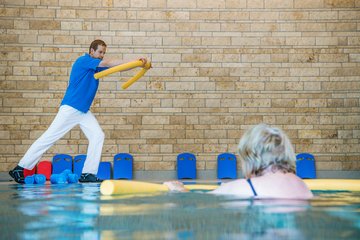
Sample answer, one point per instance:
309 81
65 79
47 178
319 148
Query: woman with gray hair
268 164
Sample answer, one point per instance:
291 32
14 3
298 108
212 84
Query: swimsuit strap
251 185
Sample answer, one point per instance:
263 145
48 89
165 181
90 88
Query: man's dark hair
94 45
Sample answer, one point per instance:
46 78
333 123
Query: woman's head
263 146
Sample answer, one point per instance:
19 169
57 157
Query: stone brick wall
219 67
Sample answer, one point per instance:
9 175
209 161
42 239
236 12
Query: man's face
99 53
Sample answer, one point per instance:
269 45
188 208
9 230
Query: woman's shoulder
236 187
282 185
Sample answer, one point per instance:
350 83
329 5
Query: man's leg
65 120
92 130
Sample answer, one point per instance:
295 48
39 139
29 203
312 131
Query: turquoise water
78 211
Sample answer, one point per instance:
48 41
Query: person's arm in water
175 186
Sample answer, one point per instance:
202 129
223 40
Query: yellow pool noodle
124 67
333 184
137 76
115 187
119 68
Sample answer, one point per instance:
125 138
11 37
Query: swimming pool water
78 211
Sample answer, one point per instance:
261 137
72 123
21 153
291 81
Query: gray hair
263 146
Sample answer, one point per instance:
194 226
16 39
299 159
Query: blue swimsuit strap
251 185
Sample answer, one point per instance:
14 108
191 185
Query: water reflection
77 211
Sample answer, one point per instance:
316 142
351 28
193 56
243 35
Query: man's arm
108 62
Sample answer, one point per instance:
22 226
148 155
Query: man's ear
92 51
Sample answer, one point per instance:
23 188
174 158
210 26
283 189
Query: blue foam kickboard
123 166
226 166
305 165
79 161
104 171
186 166
61 162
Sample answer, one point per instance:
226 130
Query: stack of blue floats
66 169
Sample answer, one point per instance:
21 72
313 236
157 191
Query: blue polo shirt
82 86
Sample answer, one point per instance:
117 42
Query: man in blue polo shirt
74 110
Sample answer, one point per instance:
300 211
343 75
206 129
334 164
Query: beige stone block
209 27
255 4
342 26
147 41
256 103
191 41
44 13
209 41
155 120
353 15
185 27
208 72
294 86
166 57
287 120
275 72
334 58
351 102
21 71
354 41
186 4
294 15
253 120
200 15
195 148
45 25
327 41
310 72
155 134
157 3
310 26
235 27
124 134
69 2
278 3
346 119
166 148
300 41
281 103
264 15
144 148
177 120
340 72
6 119
211 103
255 58
257 86
231 4
244 72
309 133
43 56
308 3
317 103
245 41
273 41
71 26
339 3
234 16
192 119
159 166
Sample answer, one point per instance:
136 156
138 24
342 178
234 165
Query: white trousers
65 120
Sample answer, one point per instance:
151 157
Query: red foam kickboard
29 172
45 167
